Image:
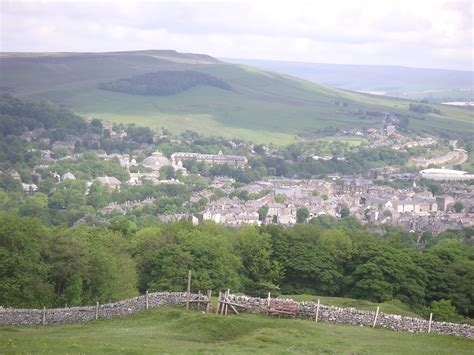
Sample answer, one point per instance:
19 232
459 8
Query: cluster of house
277 200
412 208
152 163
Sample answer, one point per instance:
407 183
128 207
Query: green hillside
411 83
261 106
174 330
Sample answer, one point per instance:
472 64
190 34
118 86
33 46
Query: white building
445 175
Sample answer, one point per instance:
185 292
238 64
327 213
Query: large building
211 159
354 186
156 161
445 175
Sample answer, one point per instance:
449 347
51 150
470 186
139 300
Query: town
420 199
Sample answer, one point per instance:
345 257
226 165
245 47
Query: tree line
164 83
52 266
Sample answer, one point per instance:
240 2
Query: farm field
175 330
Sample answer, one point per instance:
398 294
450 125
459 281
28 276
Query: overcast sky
416 33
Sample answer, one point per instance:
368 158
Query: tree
309 268
381 273
123 226
262 212
167 173
458 207
23 273
444 311
205 251
302 214
255 250
36 206
345 212
279 198
99 196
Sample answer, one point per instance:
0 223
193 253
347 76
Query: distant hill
261 106
411 83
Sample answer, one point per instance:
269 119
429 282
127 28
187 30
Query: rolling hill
411 83
261 106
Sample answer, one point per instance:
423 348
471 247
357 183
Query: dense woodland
43 266
164 83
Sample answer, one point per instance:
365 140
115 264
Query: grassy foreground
175 330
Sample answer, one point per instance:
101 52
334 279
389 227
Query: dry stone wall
358 317
10 316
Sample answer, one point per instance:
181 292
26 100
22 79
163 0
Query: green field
262 106
175 330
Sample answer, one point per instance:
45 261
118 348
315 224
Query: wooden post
208 306
317 312
97 310
234 309
189 290
223 304
44 315
199 299
146 299
268 302
226 300
218 302
429 324
376 316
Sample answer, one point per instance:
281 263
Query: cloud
418 33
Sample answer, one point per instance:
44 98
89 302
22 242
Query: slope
415 83
261 106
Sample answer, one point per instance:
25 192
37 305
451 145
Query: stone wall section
358 317
11 316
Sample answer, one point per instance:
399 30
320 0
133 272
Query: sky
414 33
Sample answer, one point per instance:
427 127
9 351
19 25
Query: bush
444 311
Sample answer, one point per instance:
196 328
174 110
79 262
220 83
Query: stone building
211 159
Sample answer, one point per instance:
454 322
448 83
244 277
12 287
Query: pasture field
177 331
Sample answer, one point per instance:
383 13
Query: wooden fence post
223 304
268 302
97 310
188 296
429 324
317 312
218 302
226 300
376 316
199 300
44 315
146 299
208 306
